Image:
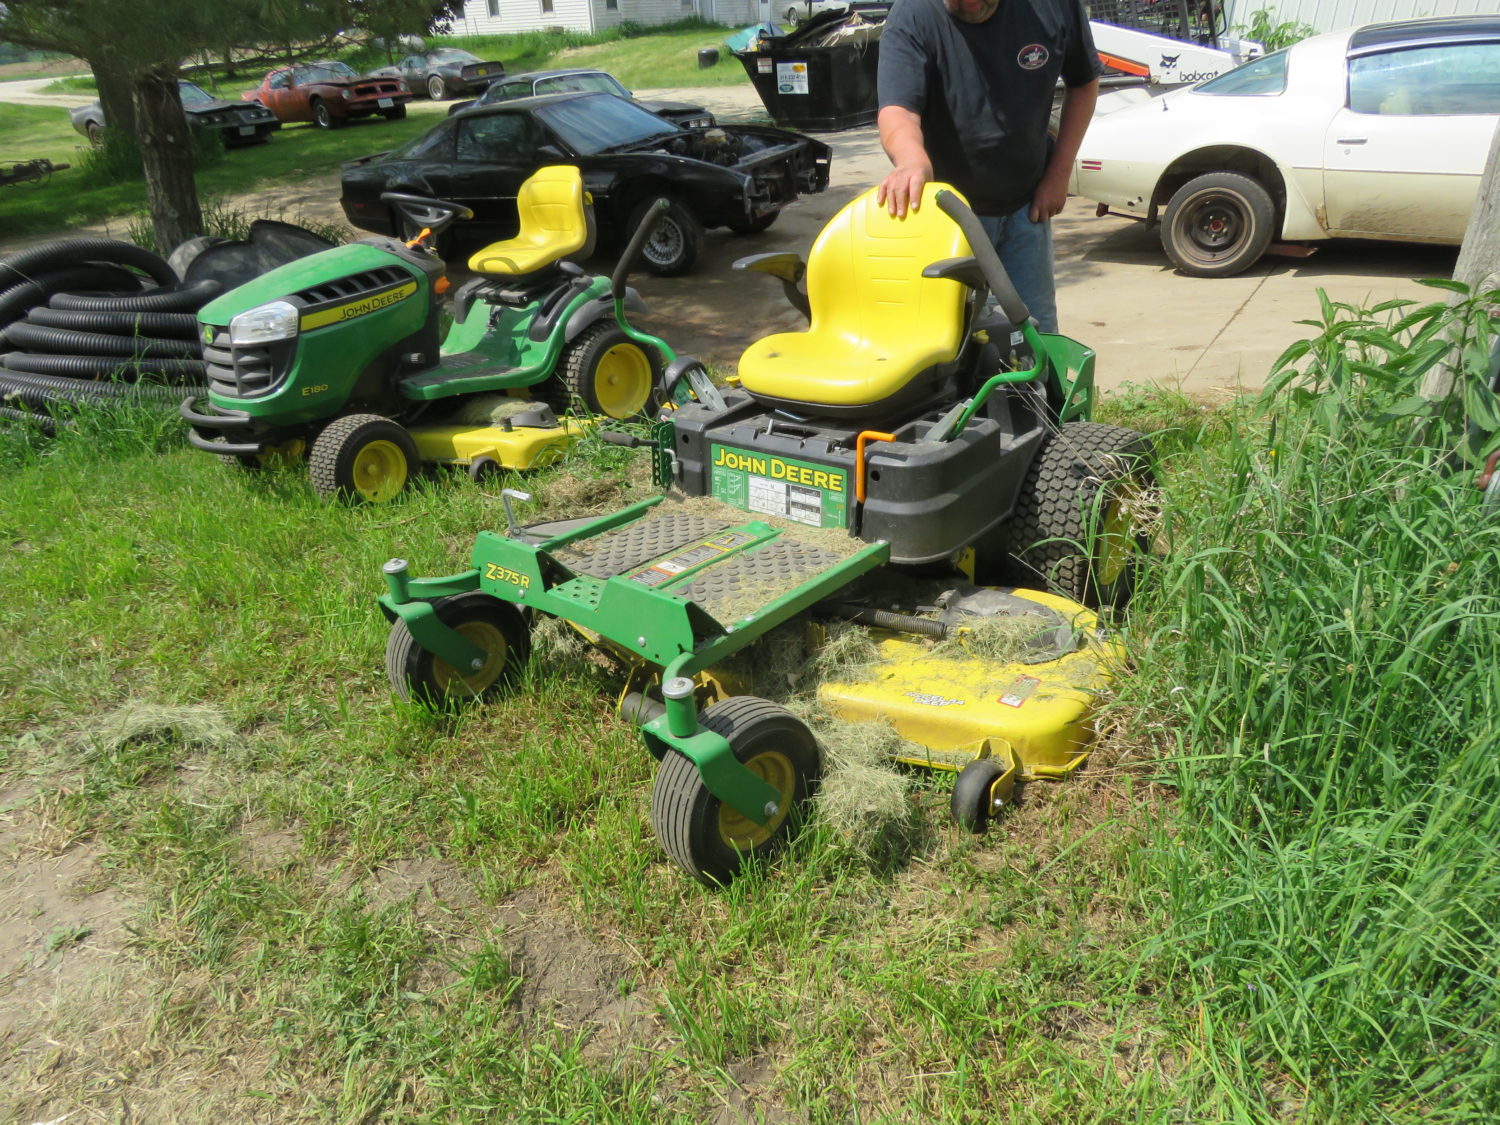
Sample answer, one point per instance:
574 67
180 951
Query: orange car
329 94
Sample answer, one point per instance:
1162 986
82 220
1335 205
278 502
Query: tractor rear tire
1080 524
363 458
708 839
609 373
496 626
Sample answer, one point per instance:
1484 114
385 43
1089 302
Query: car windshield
597 122
193 95
597 83
453 54
326 72
1266 75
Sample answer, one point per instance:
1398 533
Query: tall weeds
1327 633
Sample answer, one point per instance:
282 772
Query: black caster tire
705 837
496 626
975 802
609 373
363 458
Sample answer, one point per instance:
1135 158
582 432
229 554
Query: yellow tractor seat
556 221
876 324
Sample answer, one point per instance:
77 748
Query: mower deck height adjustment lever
506 496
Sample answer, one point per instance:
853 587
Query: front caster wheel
495 626
362 457
984 787
608 372
707 838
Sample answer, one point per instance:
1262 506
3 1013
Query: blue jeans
1025 249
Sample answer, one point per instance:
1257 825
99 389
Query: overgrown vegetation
1270 898
1273 34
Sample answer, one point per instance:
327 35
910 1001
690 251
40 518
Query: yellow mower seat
876 322
553 208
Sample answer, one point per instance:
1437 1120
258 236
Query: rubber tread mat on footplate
745 582
616 552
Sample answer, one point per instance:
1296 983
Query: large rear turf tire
1082 522
608 372
708 839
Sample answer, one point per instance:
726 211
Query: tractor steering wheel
424 211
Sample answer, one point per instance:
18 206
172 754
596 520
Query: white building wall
511 16
1331 15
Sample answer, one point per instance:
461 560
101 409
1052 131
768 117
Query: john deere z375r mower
911 463
338 357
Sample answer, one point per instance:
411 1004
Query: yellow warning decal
710 550
360 307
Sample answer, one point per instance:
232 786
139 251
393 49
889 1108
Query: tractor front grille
344 288
240 372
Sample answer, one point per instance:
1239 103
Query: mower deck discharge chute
904 464
338 358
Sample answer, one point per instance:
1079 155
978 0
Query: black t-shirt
984 90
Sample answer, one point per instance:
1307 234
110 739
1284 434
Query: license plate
385 103
246 130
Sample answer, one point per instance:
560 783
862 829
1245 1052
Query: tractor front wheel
493 625
609 373
707 838
364 458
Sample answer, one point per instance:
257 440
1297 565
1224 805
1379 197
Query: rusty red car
328 94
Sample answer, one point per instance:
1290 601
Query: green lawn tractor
909 463
339 358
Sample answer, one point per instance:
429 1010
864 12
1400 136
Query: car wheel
791 16
395 113
435 88
1218 225
674 245
323 117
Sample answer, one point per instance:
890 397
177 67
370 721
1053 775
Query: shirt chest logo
1033 57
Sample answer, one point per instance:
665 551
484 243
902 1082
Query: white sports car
1372 132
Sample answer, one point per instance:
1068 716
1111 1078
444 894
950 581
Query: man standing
965 98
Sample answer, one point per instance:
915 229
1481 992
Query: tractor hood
336 279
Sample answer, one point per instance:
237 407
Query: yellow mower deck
522 447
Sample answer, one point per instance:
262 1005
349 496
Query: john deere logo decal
1033 57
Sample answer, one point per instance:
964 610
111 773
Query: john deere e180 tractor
339 357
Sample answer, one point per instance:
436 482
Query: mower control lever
506 496
984 253
629 441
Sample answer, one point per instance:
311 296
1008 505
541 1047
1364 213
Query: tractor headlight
264 325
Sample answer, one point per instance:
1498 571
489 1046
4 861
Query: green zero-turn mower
906 463
337 357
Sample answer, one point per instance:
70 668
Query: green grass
1270 898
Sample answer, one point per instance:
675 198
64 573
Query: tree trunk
167 159
114 95
1478 264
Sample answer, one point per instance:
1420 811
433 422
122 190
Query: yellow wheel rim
738 830
1117 544
379 471
622 381
451 682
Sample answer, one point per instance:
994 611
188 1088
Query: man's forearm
901 136
1077 112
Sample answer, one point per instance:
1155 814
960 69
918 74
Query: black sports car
737 176
579 80
237 122
446 72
